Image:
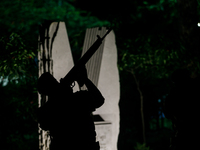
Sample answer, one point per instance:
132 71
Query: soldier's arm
95 93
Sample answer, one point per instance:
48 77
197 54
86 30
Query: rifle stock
69 78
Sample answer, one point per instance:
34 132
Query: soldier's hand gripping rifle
45 86
69 78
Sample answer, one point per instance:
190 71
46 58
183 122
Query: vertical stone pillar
45 65
103 72
109 86
55 57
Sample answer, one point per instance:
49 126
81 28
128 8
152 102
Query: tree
148 62
16 57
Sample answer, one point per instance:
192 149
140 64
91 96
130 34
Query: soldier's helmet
47 84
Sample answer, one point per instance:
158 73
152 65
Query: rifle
69 78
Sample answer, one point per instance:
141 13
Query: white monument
109 87
55 57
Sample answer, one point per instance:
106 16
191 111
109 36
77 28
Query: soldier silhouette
68 115
182 109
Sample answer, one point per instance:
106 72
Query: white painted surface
109 86
61 53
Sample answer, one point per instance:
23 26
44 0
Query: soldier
68 115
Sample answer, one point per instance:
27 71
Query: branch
141 102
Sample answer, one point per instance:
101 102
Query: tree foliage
16 58
156 48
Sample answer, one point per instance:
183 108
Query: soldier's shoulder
80 93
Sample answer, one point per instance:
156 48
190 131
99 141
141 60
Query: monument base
104 132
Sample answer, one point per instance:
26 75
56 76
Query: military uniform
68 117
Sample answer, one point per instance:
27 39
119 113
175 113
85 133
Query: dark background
165 33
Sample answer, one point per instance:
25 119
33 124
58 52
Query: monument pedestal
104 134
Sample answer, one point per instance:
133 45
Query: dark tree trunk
141 106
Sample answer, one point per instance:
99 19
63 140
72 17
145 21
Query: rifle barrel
84 59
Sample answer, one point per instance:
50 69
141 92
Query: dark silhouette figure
68 115
181 107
